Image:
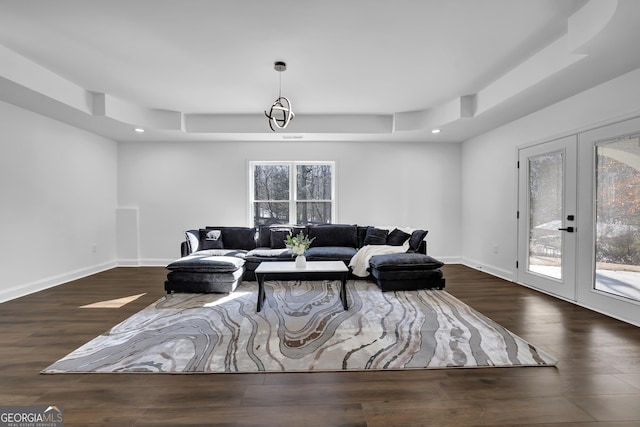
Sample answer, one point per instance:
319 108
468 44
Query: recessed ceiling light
435 131
139 130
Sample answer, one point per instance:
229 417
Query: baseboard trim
449 259
129 262
494 271
50 282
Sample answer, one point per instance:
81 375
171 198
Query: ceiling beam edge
303 123
128 113
27 74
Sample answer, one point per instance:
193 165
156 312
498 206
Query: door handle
567 229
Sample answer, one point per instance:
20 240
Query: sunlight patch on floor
226 298
113 303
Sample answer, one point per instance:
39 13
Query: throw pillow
278 237
416 240
193 240
334 235
239 238
361 233
210 239
375 236
397 237
264 236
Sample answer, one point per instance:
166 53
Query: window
292 192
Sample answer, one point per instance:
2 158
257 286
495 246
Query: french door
579 218
547 225
609 188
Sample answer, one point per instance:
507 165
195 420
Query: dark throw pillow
264 236
397 237
239 238
210 239
416 239
334 235
278 237
362 233
375 236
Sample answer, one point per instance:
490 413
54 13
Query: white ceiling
357 70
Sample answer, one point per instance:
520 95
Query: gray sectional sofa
217 259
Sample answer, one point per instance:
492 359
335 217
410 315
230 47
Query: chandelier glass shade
281 113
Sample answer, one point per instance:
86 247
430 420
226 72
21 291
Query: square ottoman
406 272
204 274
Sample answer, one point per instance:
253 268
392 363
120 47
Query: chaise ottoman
204 274
406 272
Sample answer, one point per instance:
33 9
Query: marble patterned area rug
302 328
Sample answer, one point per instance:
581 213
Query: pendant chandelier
281 112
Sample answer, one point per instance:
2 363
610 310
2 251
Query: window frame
293 187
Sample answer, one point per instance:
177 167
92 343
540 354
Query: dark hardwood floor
597 381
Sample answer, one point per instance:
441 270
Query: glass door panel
609 185
545 214
617 206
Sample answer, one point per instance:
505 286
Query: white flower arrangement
298 244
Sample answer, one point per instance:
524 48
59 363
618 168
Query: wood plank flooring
597 381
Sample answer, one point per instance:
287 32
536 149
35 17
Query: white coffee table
330 270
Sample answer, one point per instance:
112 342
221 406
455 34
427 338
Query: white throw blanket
360 261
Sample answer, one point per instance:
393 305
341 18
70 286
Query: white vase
301 261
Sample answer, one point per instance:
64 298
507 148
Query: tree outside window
292 192
617 203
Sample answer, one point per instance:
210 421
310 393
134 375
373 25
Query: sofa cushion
408 280
259 253
334 235
203 282
239 253
416 239
207 263
407 275
375 236
397 237
330 253
404 262
199 276
210 239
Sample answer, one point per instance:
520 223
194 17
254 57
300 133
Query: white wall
57 198
177 186
489 167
